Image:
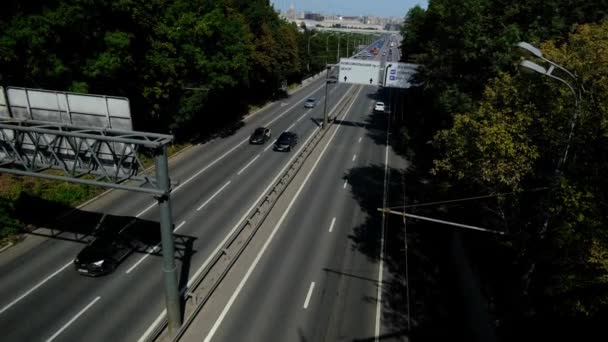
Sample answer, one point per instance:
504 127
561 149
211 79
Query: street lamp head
529 49
531 66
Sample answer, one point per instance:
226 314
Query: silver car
310 102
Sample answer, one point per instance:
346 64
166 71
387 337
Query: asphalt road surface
44 298
319 281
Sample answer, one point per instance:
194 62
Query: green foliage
13 187
498 130
149 51
491 146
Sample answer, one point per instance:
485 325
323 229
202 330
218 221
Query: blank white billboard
84 110
399 75
68 108
359 71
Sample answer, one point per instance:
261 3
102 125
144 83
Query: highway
319 280
316 282
44 298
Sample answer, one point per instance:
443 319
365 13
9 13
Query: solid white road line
331 226
248 164
150 251
345 183
65 326
354 157
162 315
36 286
213 196
381 265
273 233
310 289
290 127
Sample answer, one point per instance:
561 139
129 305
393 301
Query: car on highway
379 107
286 141
260 136
310 102
102 255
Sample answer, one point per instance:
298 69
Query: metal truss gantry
88 155
101 157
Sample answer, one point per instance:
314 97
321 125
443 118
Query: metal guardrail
197 295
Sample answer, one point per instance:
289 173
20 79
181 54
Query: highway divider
212 275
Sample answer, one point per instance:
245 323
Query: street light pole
549 73
347 37
385 74
308 53
325 121
530 49
338 52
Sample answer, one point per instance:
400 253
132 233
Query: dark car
102 255
260 135
286 141
310 102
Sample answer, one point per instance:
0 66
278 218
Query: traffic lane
278 288
26 269
116 295
186 201
208 221
351 273
340 272
39 315
205 157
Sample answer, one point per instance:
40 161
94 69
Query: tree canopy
499 130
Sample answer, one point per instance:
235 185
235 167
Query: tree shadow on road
434 310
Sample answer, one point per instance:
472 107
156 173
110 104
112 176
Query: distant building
313 16
291 13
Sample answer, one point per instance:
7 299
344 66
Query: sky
382 8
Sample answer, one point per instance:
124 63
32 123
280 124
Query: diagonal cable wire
466 199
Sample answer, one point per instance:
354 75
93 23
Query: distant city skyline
382 8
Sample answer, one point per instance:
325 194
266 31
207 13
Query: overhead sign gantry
359 71
399 75
90 139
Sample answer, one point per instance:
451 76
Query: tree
513 141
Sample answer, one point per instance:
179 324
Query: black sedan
102 255
286 141
260 135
